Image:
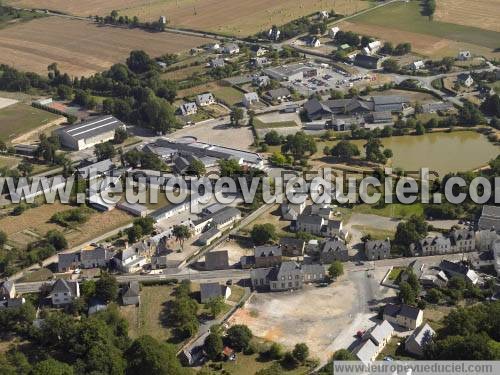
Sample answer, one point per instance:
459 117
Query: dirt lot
478 13
5 102
81 47
324 318
220 134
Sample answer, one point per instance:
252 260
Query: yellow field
81 47
484 14
235 17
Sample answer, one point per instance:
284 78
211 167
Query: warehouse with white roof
89 133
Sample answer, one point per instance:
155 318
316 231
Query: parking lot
330 78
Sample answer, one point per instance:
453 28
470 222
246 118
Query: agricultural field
231 17
81 47
403 22
477 13
17 119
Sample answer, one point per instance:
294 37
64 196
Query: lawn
41 274
375 233
395 272
269 125
407 17
229 95
396 210
9 161
394 349
20 118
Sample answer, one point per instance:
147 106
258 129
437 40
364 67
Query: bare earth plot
403 22
478 13
77 7
81 47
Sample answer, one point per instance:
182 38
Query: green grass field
229 95
20 118
269 125
9 161
408 17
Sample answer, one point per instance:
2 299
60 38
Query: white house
231 48
323 14
163 20
333 32
129 261
274 33
205 99
250 98
417 65
464 55
465 80
189 108
314 42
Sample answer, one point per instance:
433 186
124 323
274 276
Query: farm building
291 72
369 62
89 133
250 98
134 209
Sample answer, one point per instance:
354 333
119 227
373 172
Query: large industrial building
89 133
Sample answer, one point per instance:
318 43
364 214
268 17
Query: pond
442 152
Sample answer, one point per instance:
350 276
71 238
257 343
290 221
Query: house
485 239
250 99
490 218
374 46
465 80
261 81
459 269
332 228
278 95
403 315
221 220
96 305
259 62
95 257
217 63
312 224
464 55
291 72
417 341
209 291
433 277
417 65
378 249
382 117
259 51
231 48
7 290
205 99
228 353
129 260
333 249
367 61
323 15
64 292
188 108
247 261
287 276
374 341
88 133
208 237
320 110
290 211
68 261
274 33
216 260
163 20
292 247
496 257
333 32
458 241
267 256
131 294
313 42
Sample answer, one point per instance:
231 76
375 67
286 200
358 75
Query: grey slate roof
217 260
278 93
403 310
334 245
266 251
210 290
377 244
67 259
366 351
131 290
422 335
310 219
381 331
92 127
64 286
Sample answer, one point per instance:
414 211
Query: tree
134 233
239 336
299 145
3 238
278 159
148 356
229 168
410 231
406 293
57 239
140 62
387 153
344 150
275 351
373 151
120 136
263 233
215 305
52 367
344 355
419 129
236 116
104 151
273 138
106 288
434 295
197 167
301 352
336 269
390 65
181 233
213 346
25 167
